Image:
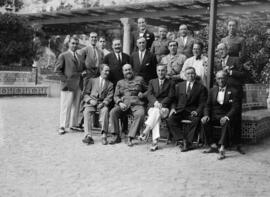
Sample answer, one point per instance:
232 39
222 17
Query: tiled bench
255 115
255 125
23 90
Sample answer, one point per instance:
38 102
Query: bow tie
221 89
198 57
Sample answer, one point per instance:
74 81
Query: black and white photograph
137 98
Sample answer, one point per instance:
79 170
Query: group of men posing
165 78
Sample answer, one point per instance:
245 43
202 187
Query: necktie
188 89
119 58
75 58
141 57
95 54
161 84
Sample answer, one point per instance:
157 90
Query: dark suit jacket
148 67
196 100
116 67
93 91
229 108
149 36
237 78
69 71
154 93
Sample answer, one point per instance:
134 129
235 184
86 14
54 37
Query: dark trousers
225 135
236 138
174 124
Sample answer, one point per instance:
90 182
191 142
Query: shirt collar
72 52
222 89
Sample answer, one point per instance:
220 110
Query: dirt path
36 162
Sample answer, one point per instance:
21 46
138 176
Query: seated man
189 97
128 98
159 103
98 94
221 109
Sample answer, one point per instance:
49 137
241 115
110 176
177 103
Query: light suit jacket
92 65
94 92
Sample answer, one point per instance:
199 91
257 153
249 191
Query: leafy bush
16 37
254 34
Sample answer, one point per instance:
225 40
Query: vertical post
211 45
126 36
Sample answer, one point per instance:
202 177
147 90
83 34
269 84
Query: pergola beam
170 9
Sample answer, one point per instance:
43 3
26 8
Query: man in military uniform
173 61
128 98
160 46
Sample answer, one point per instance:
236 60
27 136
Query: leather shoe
240 150
88 140
221 155
154 147
211 150
77 128
61 131
116 139
142 137
129 142
186 147
104 140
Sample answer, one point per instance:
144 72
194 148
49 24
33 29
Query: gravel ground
36 162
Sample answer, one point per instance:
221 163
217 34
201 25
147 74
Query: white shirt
200 68
191 84
141 55
224 61
184 39
119 55
221 95
161 82
101 82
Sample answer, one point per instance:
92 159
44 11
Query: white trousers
153 121
69 108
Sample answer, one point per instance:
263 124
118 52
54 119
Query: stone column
126 36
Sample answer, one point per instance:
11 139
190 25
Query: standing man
128 98
236 44
158 95
221 109
198 61
115 60
189 99
69 68
92 57
185 42
235 78
160 46
142 32
143 61
102 45
173 61
97 96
